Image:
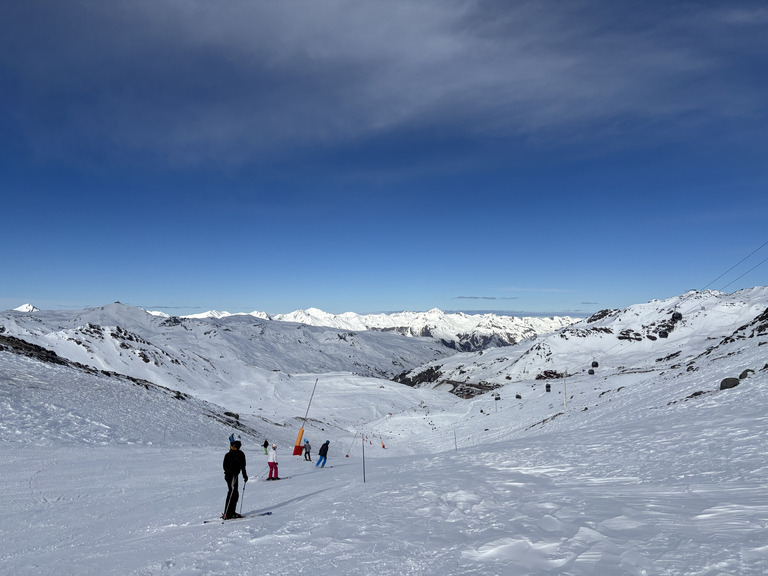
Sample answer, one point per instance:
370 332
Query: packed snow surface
644 468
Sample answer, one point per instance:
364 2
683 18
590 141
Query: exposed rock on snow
728 383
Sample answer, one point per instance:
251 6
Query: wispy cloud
164 307
539 290
193 80
526 313
485 298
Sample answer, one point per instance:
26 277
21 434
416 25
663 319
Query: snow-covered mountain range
631 442
463 332
196 355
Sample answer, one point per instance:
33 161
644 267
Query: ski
222 520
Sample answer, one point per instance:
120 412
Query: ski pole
231 491
243 498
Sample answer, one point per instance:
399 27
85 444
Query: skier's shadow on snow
291 501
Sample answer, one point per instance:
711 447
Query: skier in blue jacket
323 452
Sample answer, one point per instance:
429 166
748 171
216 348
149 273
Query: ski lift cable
607 353
747 272
735 265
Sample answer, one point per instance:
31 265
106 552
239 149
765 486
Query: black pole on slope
351 444
243 498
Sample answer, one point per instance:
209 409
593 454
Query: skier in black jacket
234 463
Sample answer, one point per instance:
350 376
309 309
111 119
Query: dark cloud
191 81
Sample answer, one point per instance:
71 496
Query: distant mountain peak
219 314
26 308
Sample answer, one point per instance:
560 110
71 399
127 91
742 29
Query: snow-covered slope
647 468
221 361
47 401
660 336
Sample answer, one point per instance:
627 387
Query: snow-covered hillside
219 360
644 467
464 332
675 334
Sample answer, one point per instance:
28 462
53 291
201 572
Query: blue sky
529 157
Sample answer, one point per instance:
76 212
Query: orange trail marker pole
297 447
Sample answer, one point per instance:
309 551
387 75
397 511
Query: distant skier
234 463
323 452
307 449
273 463
265 445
